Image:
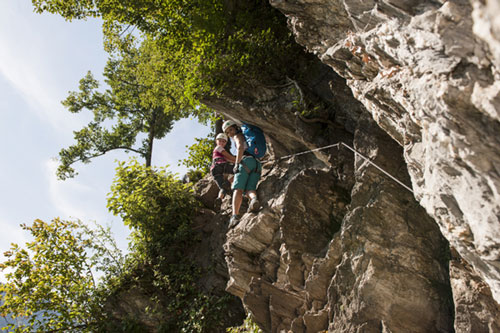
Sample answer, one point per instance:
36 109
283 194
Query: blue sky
42 58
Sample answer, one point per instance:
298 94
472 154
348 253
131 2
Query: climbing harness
247 169
338 145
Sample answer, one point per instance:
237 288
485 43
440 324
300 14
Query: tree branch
103 153
69 329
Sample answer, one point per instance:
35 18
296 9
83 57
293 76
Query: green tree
212 45
152 202
132 106
159 209
200 155
191 50
52 281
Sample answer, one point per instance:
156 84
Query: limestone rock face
428 72
404 234
341 250
474 311
395 226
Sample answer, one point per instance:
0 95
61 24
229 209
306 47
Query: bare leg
237 200
252 194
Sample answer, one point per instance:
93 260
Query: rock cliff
338 245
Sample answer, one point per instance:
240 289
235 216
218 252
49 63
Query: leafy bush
159 208
248 326
51 283
152 202
200 156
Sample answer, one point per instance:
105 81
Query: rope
309 151
356 153
376 166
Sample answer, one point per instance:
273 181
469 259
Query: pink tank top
217 156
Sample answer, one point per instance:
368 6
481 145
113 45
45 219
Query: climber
247 170
222 164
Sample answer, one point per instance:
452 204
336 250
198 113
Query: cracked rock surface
428 72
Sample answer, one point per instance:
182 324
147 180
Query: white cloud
21 66
42 64
32 87
62 194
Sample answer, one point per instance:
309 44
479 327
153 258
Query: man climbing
247 168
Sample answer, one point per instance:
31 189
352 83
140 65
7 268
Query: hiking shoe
233 221
254 205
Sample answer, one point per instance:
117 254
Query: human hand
236 168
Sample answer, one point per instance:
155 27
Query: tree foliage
52 283
188 50
133 105
209 45
248 326
165 58
160 208
142 196
200 155
154 203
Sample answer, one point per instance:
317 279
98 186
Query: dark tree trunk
218 129
151 137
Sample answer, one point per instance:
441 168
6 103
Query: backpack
255 139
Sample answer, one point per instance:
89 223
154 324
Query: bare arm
239 139
228 156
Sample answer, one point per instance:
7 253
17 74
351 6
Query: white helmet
221 136
227 124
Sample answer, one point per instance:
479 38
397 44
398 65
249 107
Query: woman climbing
247 170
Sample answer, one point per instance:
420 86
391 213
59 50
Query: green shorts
245 180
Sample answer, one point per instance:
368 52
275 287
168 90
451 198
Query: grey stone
428 72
